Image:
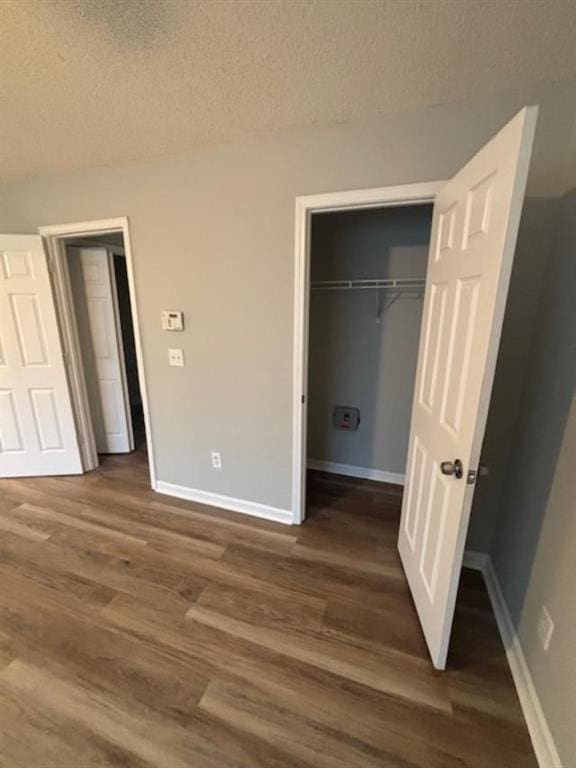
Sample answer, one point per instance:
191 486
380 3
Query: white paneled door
37 430
474 229
94 289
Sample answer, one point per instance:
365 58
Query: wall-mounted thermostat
172 321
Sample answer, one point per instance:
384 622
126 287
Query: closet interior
368 270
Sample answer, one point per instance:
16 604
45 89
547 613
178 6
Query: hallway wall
534 545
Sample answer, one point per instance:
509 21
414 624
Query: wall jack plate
176 357
545 628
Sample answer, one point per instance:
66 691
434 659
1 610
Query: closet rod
394 284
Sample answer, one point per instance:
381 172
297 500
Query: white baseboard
542 740
351 470
475 560
226 502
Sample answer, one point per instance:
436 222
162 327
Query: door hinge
303 399
51 267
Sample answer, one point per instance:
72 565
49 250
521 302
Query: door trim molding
305 206
540 734
53 236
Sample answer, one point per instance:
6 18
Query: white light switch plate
176 357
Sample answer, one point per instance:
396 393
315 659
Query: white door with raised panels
474 229
37 430
97 316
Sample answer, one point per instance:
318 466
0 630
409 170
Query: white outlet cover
216 460
176 357
545 628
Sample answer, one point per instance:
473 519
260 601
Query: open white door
37 430
474 229
94 289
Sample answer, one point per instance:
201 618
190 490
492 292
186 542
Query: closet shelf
398 285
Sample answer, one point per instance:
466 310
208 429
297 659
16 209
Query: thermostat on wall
172 321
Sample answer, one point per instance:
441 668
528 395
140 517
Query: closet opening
367 279
361 277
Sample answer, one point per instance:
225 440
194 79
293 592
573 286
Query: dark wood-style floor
137 630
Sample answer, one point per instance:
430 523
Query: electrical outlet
216 460
176 357
545 628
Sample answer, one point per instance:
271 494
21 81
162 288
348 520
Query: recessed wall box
345 417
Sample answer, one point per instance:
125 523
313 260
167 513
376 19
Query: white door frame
356 199
54 239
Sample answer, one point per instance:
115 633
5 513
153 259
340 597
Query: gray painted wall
533 252
213 234
354 358
534 546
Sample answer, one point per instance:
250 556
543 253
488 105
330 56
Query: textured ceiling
91 82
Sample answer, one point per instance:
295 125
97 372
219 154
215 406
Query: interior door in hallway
93 285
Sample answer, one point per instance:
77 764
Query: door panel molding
37 430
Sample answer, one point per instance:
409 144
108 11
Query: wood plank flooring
137 630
